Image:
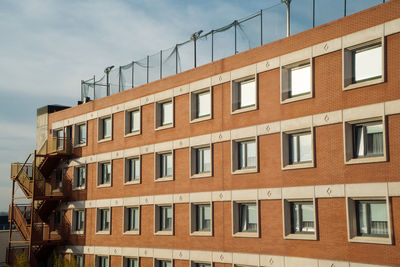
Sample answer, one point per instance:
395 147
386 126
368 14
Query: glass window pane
359 141
241 155
169 164
207 159
134 121
293 149
106 127
367 63
300 80
251 154
295 220
374 139
166 113
307 212
203 104
247 93
82 134
362 218
305 147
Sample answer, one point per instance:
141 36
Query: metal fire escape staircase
43 195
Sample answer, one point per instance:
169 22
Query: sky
47 47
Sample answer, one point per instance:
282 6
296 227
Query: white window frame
348 141
156 260
235 94
287 223
352 222
76 178
100 173
235 156
99 231
193 263
193 107
74 218
157 166
97 258
125 229
193 219
157 213
127 170
348 65
100 129
77 134
128 131
125 258
236 219
285 145
193 161
158 114
286 81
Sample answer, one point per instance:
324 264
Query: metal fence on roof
267 25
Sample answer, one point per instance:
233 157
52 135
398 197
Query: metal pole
133 73
194 47
119 80
108 85
32 206
287 2
313 13
176 59
11 220
81 90
147 69
160 64
345 11
261 27
94 87
235 37
212 46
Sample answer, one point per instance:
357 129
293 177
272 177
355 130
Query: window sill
163 127
246 234
164 179
79 188
299 166
80 145
205 118
363 84
77 232
245 109
164 233
132 182
103 185
103 232
296 98
132 133
301 236
245 171
201 175
132 232
366 160
372 240
104 140
201 233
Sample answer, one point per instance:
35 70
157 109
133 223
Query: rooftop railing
284 18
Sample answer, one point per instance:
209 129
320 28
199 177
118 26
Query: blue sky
47 47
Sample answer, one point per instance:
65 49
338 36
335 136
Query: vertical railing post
176 59
81 90
133 74
94 87
147 65
235 24
212 46
287 2
119 79
261 27
160 64
194 52
313 13
345 8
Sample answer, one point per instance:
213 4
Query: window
105 128
80 134
363 64
302 217
365 141
244 156
78 260
104 173
164 114
300 148
200 264
80 177
368 139
201 218
132 122
59 139
163 219
131 221
245 216
78 223
162 263
200 105
132 166
103 220
164 166
201 161
296 81
131 262
102 261
244 95
369 220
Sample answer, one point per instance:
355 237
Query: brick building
284 155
